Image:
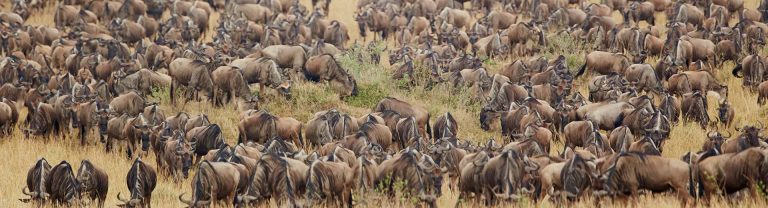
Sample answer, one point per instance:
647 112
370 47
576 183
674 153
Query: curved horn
126 201
184 201
25 191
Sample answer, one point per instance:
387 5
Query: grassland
374 81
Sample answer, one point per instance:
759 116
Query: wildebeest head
64 185
86 177
658 128
183 154
144 132
488 117
577 175
751 134
715 141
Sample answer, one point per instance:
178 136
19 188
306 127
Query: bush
368 95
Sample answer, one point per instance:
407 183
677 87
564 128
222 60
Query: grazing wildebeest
62 185
214 182
204 139
36 188
423 175
732 172
406 110
276 177
630 172
445 126
94 182
141 181
177 157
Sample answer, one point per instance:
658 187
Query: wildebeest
130 103
423 176
62 185
204 139
177 157
264 126
605 63
732 172
36 179
141 181
331 180
264 71
750 137
445 126
327 126
694 108
94 182
406 110
194 74
214 182
278 178
630 172
326 67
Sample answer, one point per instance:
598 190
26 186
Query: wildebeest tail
428 128
581 70
301 137
691 185
736 71
619 120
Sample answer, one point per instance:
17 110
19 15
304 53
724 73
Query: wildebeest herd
100 63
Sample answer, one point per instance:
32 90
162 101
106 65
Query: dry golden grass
20 153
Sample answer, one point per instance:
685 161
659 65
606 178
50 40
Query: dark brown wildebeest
114 130
630 172
732 172
621 138
714 141
407 110
762 93
196 121
62 185
36 188
214 182
136 130
423 175
94 182
141 181
276 177
584 134
445 126
471 166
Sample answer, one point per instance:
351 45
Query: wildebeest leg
173 101
148 201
